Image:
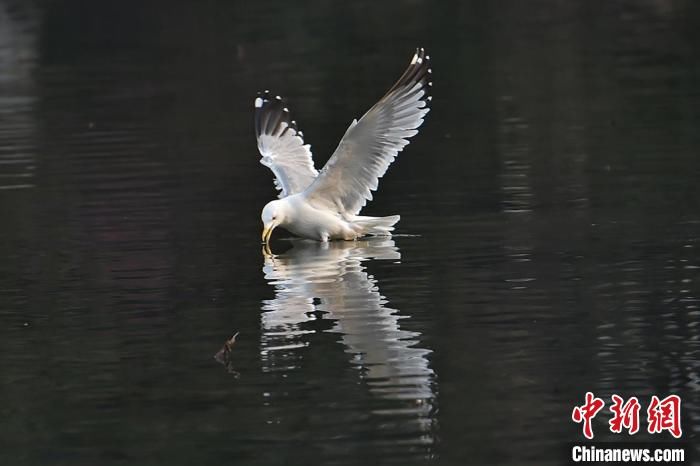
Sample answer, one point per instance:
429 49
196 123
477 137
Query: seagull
325 205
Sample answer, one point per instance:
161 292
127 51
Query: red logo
661 415
624 415
665 415
586 412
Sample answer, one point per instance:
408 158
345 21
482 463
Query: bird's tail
377 226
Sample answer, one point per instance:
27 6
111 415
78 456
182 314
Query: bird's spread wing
281 146
370 145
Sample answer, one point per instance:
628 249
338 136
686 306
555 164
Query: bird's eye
274 217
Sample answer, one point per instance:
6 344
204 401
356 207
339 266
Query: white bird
325 205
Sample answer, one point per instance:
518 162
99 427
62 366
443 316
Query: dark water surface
549 242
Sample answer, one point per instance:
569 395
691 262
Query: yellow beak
267 232
267 252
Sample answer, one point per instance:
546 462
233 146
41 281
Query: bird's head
273 215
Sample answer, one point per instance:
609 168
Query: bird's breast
317 224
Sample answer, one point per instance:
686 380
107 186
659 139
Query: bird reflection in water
328 281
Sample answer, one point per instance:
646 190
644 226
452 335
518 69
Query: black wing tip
418 71
271 113
265 98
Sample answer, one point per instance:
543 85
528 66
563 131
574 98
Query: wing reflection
329 280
